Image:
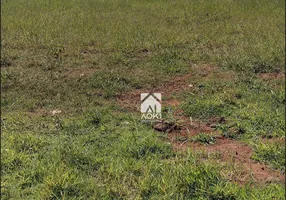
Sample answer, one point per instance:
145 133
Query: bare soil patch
38 112
230 150
271 76
80 72
131 100
239 155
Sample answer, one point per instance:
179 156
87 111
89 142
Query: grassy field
81 58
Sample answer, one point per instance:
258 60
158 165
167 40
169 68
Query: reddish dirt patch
131 101
171 102
38 112
271 76
174 86
204 70
230 150
238 154
80 72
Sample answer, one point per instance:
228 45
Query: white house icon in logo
151 106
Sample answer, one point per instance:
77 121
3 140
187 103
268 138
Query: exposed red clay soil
171 102
131 101
230 150
237 153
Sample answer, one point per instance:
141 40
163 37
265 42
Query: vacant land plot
71 76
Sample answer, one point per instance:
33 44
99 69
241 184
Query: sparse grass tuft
273 154
204 138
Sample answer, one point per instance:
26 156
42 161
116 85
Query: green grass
96 149
204 138
254 109
104 164
273 154
250 104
